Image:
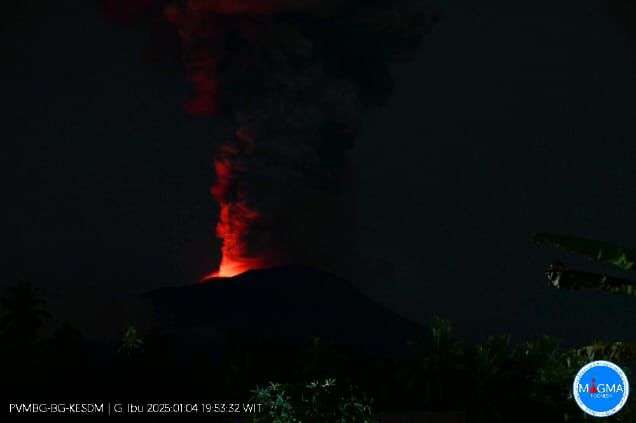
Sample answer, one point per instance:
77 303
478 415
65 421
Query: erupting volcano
234 224
292 77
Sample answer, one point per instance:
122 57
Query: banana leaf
591 249
561 276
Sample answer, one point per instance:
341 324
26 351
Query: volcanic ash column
293 78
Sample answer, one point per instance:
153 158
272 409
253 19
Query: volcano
293 303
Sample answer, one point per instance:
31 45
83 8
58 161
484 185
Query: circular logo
600 388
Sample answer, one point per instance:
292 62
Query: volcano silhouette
291 302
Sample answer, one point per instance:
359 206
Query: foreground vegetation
494 381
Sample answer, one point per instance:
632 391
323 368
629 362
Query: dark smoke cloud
293 77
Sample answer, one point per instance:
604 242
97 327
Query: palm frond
617 255
560 276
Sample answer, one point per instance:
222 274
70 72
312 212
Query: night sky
514 117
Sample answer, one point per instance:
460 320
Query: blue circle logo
600 388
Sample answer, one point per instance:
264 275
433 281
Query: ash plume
293 77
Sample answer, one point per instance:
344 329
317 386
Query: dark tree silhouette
23 314
434 364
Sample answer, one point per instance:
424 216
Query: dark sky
514 117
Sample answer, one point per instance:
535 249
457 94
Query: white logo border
577 395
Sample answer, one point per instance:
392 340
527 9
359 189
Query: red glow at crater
236 218
229 268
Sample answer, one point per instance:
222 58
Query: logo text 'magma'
602 388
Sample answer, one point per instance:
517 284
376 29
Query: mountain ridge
292 302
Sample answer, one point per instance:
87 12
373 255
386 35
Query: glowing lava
229 268
236 218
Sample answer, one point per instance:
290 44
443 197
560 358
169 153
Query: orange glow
236 219
230 268
204 28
